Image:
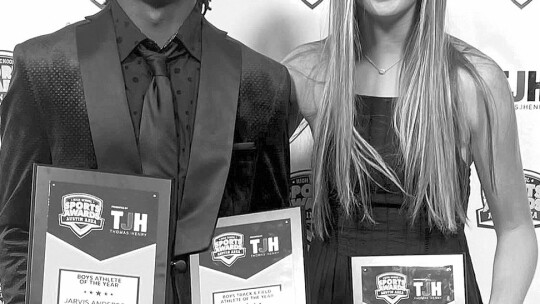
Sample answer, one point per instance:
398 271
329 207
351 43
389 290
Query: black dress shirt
183 67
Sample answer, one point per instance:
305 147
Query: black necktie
158 143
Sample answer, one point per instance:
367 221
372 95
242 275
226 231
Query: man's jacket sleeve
24 142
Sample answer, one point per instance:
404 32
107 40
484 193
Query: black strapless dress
329 275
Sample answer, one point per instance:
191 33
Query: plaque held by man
253 258
98 237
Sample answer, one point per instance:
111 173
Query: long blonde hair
427 120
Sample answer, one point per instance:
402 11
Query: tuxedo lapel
104 91
212 143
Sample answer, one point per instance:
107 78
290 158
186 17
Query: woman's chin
386 8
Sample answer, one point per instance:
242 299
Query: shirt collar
128 35
190 33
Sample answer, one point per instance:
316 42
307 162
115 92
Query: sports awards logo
81 213
302 195
6 67
532 183
228 248
522 3
391 287
301 189
312 3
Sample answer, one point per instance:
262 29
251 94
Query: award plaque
418 279
253 259
98 238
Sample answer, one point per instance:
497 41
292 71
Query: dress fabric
329 274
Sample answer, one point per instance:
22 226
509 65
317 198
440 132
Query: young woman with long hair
399 111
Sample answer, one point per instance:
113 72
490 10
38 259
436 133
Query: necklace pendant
382 71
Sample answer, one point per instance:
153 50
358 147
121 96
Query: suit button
179 265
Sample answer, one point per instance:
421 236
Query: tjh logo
427 289
522 3
264 246
532 182
81 213
525 85
228 248
312 3
392 287
134 221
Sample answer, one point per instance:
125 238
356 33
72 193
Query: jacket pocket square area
244 146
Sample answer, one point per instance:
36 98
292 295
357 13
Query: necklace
381 71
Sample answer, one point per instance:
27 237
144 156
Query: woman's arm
517 249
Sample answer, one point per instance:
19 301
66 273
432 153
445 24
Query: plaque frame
298 242
457 261
46 174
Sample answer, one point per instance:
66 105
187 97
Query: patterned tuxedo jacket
67 107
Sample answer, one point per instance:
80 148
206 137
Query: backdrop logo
99 3
525 88
302 195
6 67
522 3
228 248
314 3
392 287
81 213
532 182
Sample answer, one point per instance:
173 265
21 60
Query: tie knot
157 60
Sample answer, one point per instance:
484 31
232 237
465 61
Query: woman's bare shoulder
494 99
306 65
306 60
484 64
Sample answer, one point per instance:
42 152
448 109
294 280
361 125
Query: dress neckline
375 98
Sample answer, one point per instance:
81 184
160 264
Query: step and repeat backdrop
506 30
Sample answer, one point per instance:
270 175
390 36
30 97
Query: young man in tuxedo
145 87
